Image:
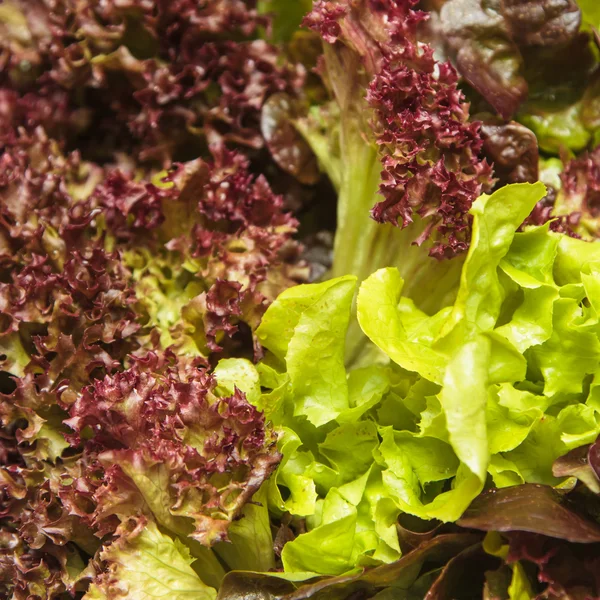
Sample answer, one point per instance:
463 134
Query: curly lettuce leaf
476 390
463 359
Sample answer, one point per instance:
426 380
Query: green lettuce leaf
329 548
305 327
496 218
557 127
590 11
148 564
250 545
291 475
286 17
495 387
382 323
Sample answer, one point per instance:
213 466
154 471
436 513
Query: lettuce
529 60
396 140
113 304
154 80
183 414
495 386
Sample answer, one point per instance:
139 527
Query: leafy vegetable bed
300 300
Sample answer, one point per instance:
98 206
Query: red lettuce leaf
155 80
532 508
511 148
161 420
430 152
564 570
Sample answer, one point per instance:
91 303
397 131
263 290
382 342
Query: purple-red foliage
430 152
147 78
574 209
74 345
564 570
59 280
242 238
162 415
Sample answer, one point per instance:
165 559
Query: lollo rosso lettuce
160 420
160 461
159 81
570 202
102 451
219 251
122 286
394 138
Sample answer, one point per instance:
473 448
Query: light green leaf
16 356
349 449
291 474
433 420
507 430
533 253
241 373
521 401
579 425
590 10
330 548
591 284
569 354
506 363
148 566
520 588
464 397
496 218
573 258
531 323
379 318
504 472
250 546
50 441
153 483
306 326
279 322
562 127
366 387
409 462
534 457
